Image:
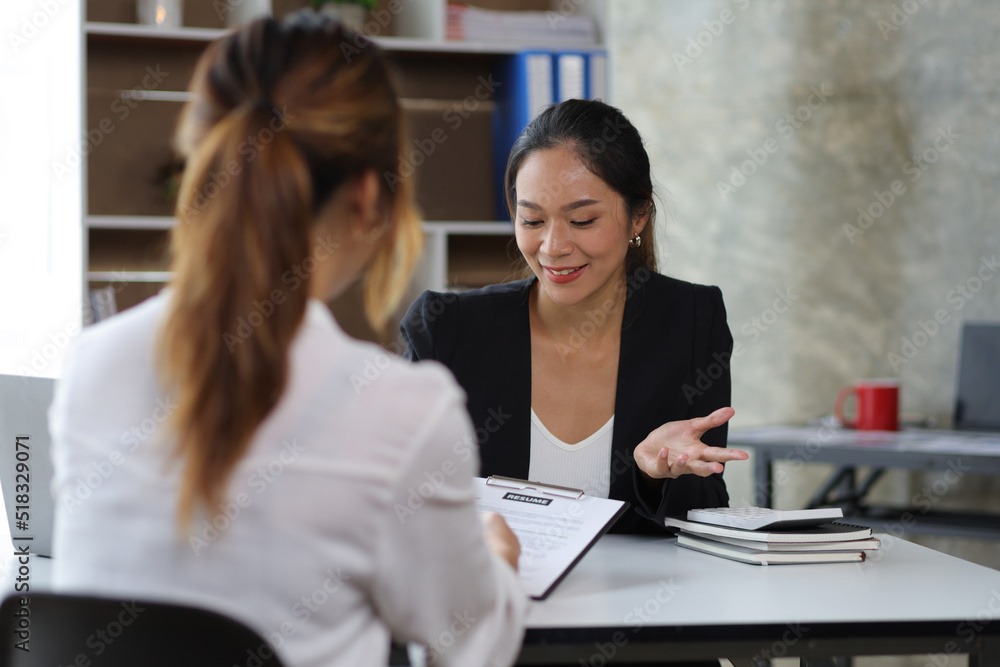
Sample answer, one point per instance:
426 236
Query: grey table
954 453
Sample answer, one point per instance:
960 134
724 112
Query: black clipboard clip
525 485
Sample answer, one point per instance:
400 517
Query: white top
352 516
585 465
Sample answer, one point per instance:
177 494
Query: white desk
648 601
640 600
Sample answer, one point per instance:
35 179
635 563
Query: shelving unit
136 81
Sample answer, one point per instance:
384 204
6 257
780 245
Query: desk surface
901 582
645 598
622 574
635 600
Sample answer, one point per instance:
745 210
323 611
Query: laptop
977 405
25 466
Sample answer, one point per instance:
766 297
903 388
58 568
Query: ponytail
228 357
256 177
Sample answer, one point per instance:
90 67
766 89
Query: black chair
48 629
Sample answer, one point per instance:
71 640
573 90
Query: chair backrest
977 403
48 629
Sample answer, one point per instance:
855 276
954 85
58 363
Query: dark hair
283 114
609 146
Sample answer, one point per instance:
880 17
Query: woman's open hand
676 449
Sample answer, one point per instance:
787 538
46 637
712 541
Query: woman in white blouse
250 456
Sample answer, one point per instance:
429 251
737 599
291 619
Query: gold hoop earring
635 241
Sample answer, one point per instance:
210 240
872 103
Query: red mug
876 405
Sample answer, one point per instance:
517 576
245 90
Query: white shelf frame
432 273
400 44
129 276
156 222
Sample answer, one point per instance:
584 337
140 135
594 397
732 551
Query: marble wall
832 167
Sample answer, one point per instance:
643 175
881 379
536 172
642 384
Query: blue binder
525 89
529 82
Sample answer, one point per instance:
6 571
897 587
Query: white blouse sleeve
436 582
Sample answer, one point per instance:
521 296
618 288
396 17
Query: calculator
759 518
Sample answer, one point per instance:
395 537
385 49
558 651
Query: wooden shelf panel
447 77
128 250
480 260
139 67
135 145
452 164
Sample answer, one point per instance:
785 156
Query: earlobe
641 220
368 224
366 191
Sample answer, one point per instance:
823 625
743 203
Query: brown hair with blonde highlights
284 113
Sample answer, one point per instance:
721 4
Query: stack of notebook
770 537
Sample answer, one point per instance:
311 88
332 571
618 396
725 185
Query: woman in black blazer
596 340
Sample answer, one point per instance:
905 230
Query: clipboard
556 525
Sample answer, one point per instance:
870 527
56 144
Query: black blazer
673 364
